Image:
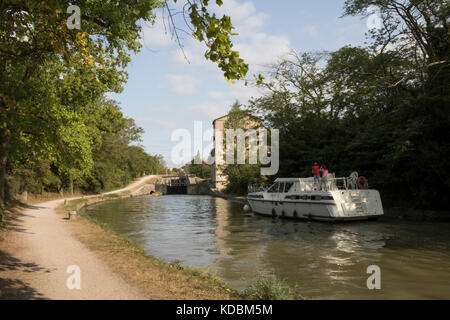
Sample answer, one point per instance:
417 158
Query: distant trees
198 167
115 160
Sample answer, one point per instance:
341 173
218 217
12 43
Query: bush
269 287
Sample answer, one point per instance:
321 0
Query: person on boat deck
323 176
316 174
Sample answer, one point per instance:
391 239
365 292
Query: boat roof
292 179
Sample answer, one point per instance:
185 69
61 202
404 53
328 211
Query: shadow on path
27 206
14 221
15 289
11 288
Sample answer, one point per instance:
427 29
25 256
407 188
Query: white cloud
243 94
210 109
311 31
161 124
244 16
159 108
156 36
182 84
257 48
238 92
348 31
216 95
262 49
220 102
254 22
238 11
194 54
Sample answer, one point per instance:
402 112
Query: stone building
218 178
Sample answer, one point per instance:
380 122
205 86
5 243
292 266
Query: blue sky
164 92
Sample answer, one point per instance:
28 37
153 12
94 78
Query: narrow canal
325 261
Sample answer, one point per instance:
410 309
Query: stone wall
200 188
145 189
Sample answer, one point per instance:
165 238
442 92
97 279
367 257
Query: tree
380 110
417 32
52 77
117 160
198 167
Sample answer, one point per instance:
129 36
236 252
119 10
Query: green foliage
35 177
239 176
53 81
198 167
380 110
268 287
116 161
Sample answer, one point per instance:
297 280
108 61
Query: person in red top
316 174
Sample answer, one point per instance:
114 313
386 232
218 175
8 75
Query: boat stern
357 203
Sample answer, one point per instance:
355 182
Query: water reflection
324 260
221 220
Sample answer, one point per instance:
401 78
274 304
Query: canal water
323 260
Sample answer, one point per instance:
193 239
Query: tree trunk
71 186
4 148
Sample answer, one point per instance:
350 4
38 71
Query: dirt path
39 248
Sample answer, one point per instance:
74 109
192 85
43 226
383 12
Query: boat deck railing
328 183
257 187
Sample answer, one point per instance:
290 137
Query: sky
165 92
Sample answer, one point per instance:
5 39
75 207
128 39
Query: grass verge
269 287
155 278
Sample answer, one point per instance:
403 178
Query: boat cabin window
288 186
280 187
274 188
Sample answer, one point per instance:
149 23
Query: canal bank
40 244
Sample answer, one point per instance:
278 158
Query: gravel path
38 250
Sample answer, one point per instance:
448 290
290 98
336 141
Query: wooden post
72 215
71 186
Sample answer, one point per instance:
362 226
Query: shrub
269 287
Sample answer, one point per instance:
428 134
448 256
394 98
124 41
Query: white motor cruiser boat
332 199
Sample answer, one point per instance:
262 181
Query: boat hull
343 206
